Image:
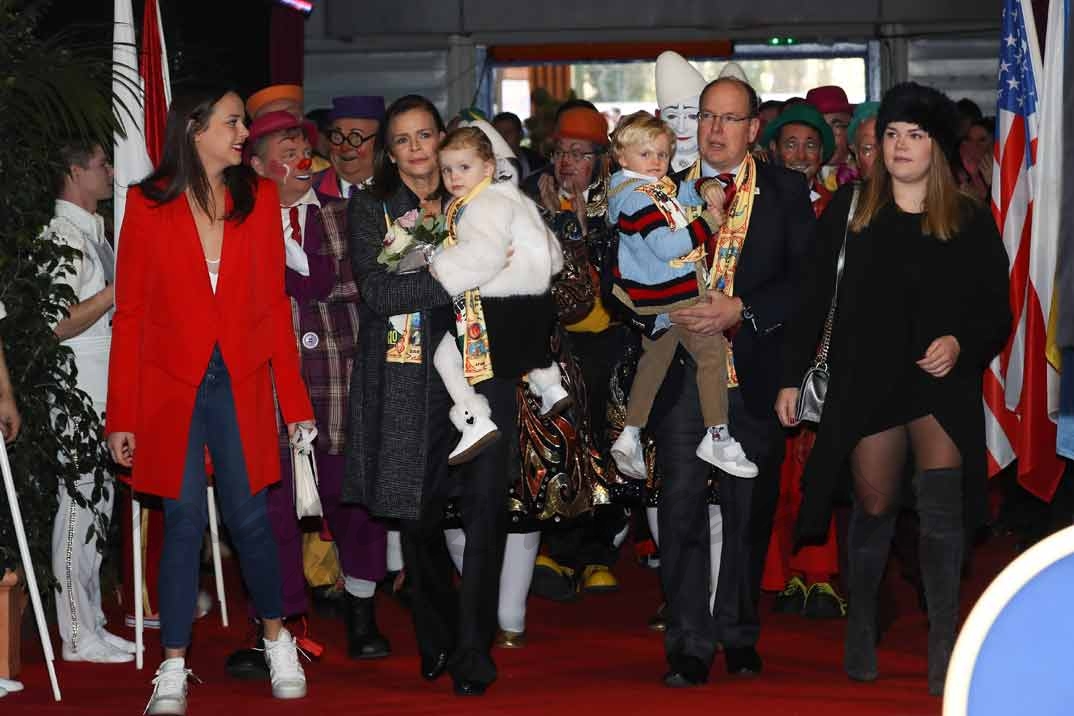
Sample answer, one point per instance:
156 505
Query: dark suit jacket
779 240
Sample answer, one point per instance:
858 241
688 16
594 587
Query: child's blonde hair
640 127
469 138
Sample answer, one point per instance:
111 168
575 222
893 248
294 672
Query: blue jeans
214 424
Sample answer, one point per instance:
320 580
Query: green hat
806 114
864 111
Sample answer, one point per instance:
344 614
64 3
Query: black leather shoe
432 668
470 688
249 664
553 581
364 640
686 671
742 661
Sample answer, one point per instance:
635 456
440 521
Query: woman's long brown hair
180 167
944 204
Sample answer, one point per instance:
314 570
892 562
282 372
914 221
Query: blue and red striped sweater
648 244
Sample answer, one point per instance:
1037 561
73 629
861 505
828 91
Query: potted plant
51 89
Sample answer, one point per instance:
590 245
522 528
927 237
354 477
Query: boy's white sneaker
727 455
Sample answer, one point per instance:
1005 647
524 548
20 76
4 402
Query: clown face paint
287 160
353 163
682 118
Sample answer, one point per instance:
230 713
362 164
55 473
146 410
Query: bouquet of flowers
410 241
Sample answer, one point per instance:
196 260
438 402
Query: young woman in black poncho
922 310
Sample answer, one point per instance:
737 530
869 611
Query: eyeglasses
354 138
574 154
723 119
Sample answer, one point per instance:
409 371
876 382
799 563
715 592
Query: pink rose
409 220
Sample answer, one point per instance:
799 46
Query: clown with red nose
324 312
280 148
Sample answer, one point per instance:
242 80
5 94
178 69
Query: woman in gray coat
400 434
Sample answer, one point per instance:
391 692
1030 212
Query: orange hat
273 93
583 123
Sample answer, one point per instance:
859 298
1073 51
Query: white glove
296 258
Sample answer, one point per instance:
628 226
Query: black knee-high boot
868 546
939 505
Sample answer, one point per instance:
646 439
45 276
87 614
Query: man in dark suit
778 236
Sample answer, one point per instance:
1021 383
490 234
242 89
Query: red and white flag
141 90
1021 386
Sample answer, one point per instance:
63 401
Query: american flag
1021 385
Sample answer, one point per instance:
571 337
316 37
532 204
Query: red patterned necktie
729 189
296 228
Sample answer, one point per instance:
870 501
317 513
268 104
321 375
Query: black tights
878 460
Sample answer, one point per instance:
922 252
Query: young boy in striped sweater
660 268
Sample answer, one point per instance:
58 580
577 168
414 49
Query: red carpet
595 655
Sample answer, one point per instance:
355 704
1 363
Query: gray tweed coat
387 435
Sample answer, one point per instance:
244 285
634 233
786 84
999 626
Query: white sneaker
478 432
629 456
11 686
726 455
554 400
117 642
97 652
288 678
169 689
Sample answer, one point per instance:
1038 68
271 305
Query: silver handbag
814 388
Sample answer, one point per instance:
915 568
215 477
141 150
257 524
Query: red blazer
167 321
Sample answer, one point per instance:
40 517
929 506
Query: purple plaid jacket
326 326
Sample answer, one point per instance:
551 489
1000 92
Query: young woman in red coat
202 329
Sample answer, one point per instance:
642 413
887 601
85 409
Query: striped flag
141 90
1021 385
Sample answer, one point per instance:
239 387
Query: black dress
900 290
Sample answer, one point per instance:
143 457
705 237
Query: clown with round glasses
355 121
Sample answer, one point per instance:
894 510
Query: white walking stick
139 612
28 566
218 569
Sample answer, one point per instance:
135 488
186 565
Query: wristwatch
747 315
